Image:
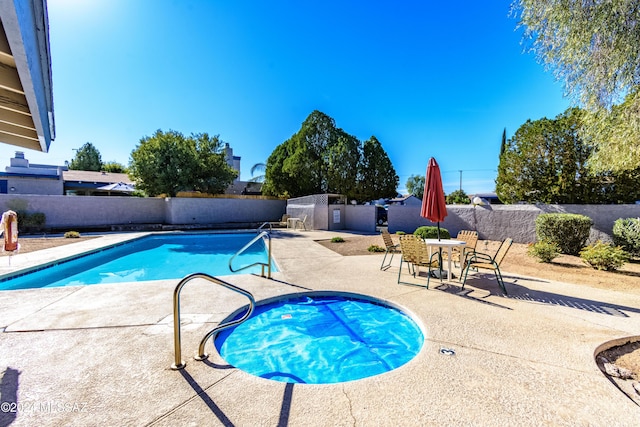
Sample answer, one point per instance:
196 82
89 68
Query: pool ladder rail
247 246
264 225
179 363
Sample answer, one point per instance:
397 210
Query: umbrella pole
440 254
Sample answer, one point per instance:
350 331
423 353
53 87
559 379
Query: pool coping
20 268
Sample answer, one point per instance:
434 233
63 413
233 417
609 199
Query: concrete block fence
493 222
497 222
85 212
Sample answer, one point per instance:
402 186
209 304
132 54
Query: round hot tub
320 338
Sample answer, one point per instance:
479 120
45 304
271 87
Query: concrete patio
101 355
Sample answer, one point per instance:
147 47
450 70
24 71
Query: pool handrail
262 264
179 363
263 225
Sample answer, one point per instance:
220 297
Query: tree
169 162
304 166
415 185
594 46
615 135
458 197
343 159
87 158
114 167
258 167
546 161
276 179
377 177
322 158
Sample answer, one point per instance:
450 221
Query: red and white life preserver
10 230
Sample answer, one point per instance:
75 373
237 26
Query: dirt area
30 244
565 268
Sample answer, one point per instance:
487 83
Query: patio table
446 244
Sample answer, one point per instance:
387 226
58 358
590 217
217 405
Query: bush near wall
626 234
603 256
431 232
544 251
569 231
30 222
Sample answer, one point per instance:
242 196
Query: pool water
157 257
321 339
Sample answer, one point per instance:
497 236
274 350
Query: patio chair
391 248
471 239
299 222
416 254
479 260
283 221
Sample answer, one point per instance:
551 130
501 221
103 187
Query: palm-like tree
258 167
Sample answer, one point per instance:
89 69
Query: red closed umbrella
434 205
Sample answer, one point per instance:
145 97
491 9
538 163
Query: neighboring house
238 186
21 177
233 161
89 183
24 178
408 200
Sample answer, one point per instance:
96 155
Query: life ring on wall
10 230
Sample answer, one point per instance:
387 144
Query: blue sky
439 80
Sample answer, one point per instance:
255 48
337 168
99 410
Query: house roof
26 96
403 198
103 178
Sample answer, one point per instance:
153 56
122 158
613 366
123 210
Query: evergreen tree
377 177
87 158
322 158
114 167
546 162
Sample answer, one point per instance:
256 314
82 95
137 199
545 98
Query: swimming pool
320 338
154 257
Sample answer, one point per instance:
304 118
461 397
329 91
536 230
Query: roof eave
26 26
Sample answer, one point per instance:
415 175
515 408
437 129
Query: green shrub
337 240
431 232
626 234
544 251
31 221
458 197
569 231
72 235
400 233
603 256
376 248
21 219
